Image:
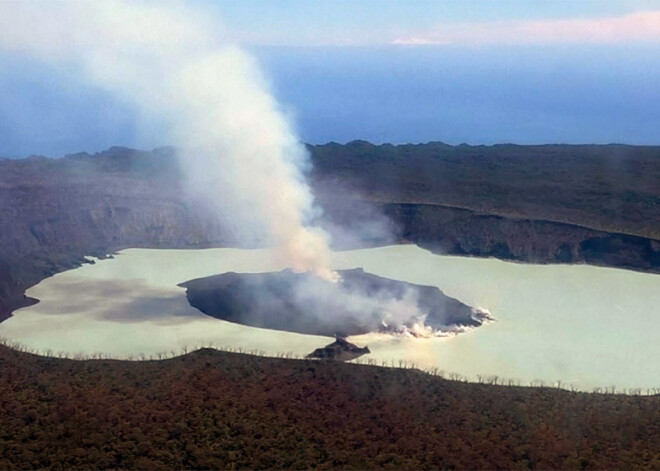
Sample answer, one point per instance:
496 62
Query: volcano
301 302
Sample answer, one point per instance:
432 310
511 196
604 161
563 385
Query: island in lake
357 304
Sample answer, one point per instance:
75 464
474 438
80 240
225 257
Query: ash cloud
242 160
241 156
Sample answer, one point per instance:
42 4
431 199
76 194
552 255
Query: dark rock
304 303
339 350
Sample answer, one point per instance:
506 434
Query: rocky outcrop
339 350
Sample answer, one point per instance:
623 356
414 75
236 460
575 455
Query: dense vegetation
210 409
612 188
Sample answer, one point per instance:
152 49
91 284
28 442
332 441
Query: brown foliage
212 409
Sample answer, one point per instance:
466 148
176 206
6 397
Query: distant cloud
418 41
635 27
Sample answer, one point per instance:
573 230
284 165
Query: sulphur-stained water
585 326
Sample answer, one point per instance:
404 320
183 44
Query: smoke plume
175 65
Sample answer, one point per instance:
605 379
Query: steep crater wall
464 232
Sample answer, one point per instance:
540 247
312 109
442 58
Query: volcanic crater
358 304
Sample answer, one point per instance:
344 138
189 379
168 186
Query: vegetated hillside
214 410
612 188
53 212
547 204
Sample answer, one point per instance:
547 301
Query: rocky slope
54 212
549 204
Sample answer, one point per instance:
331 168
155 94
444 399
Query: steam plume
175 66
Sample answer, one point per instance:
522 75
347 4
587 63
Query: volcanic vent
307 304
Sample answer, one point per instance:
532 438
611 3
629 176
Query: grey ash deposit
303 303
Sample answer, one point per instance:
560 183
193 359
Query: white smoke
350 303
173 63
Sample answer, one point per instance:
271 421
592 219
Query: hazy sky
390 71
377 22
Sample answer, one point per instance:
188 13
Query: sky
477 72
378 22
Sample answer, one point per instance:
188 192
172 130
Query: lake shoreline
553 322
15 296
526 203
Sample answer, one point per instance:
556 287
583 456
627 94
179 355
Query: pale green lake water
586 326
